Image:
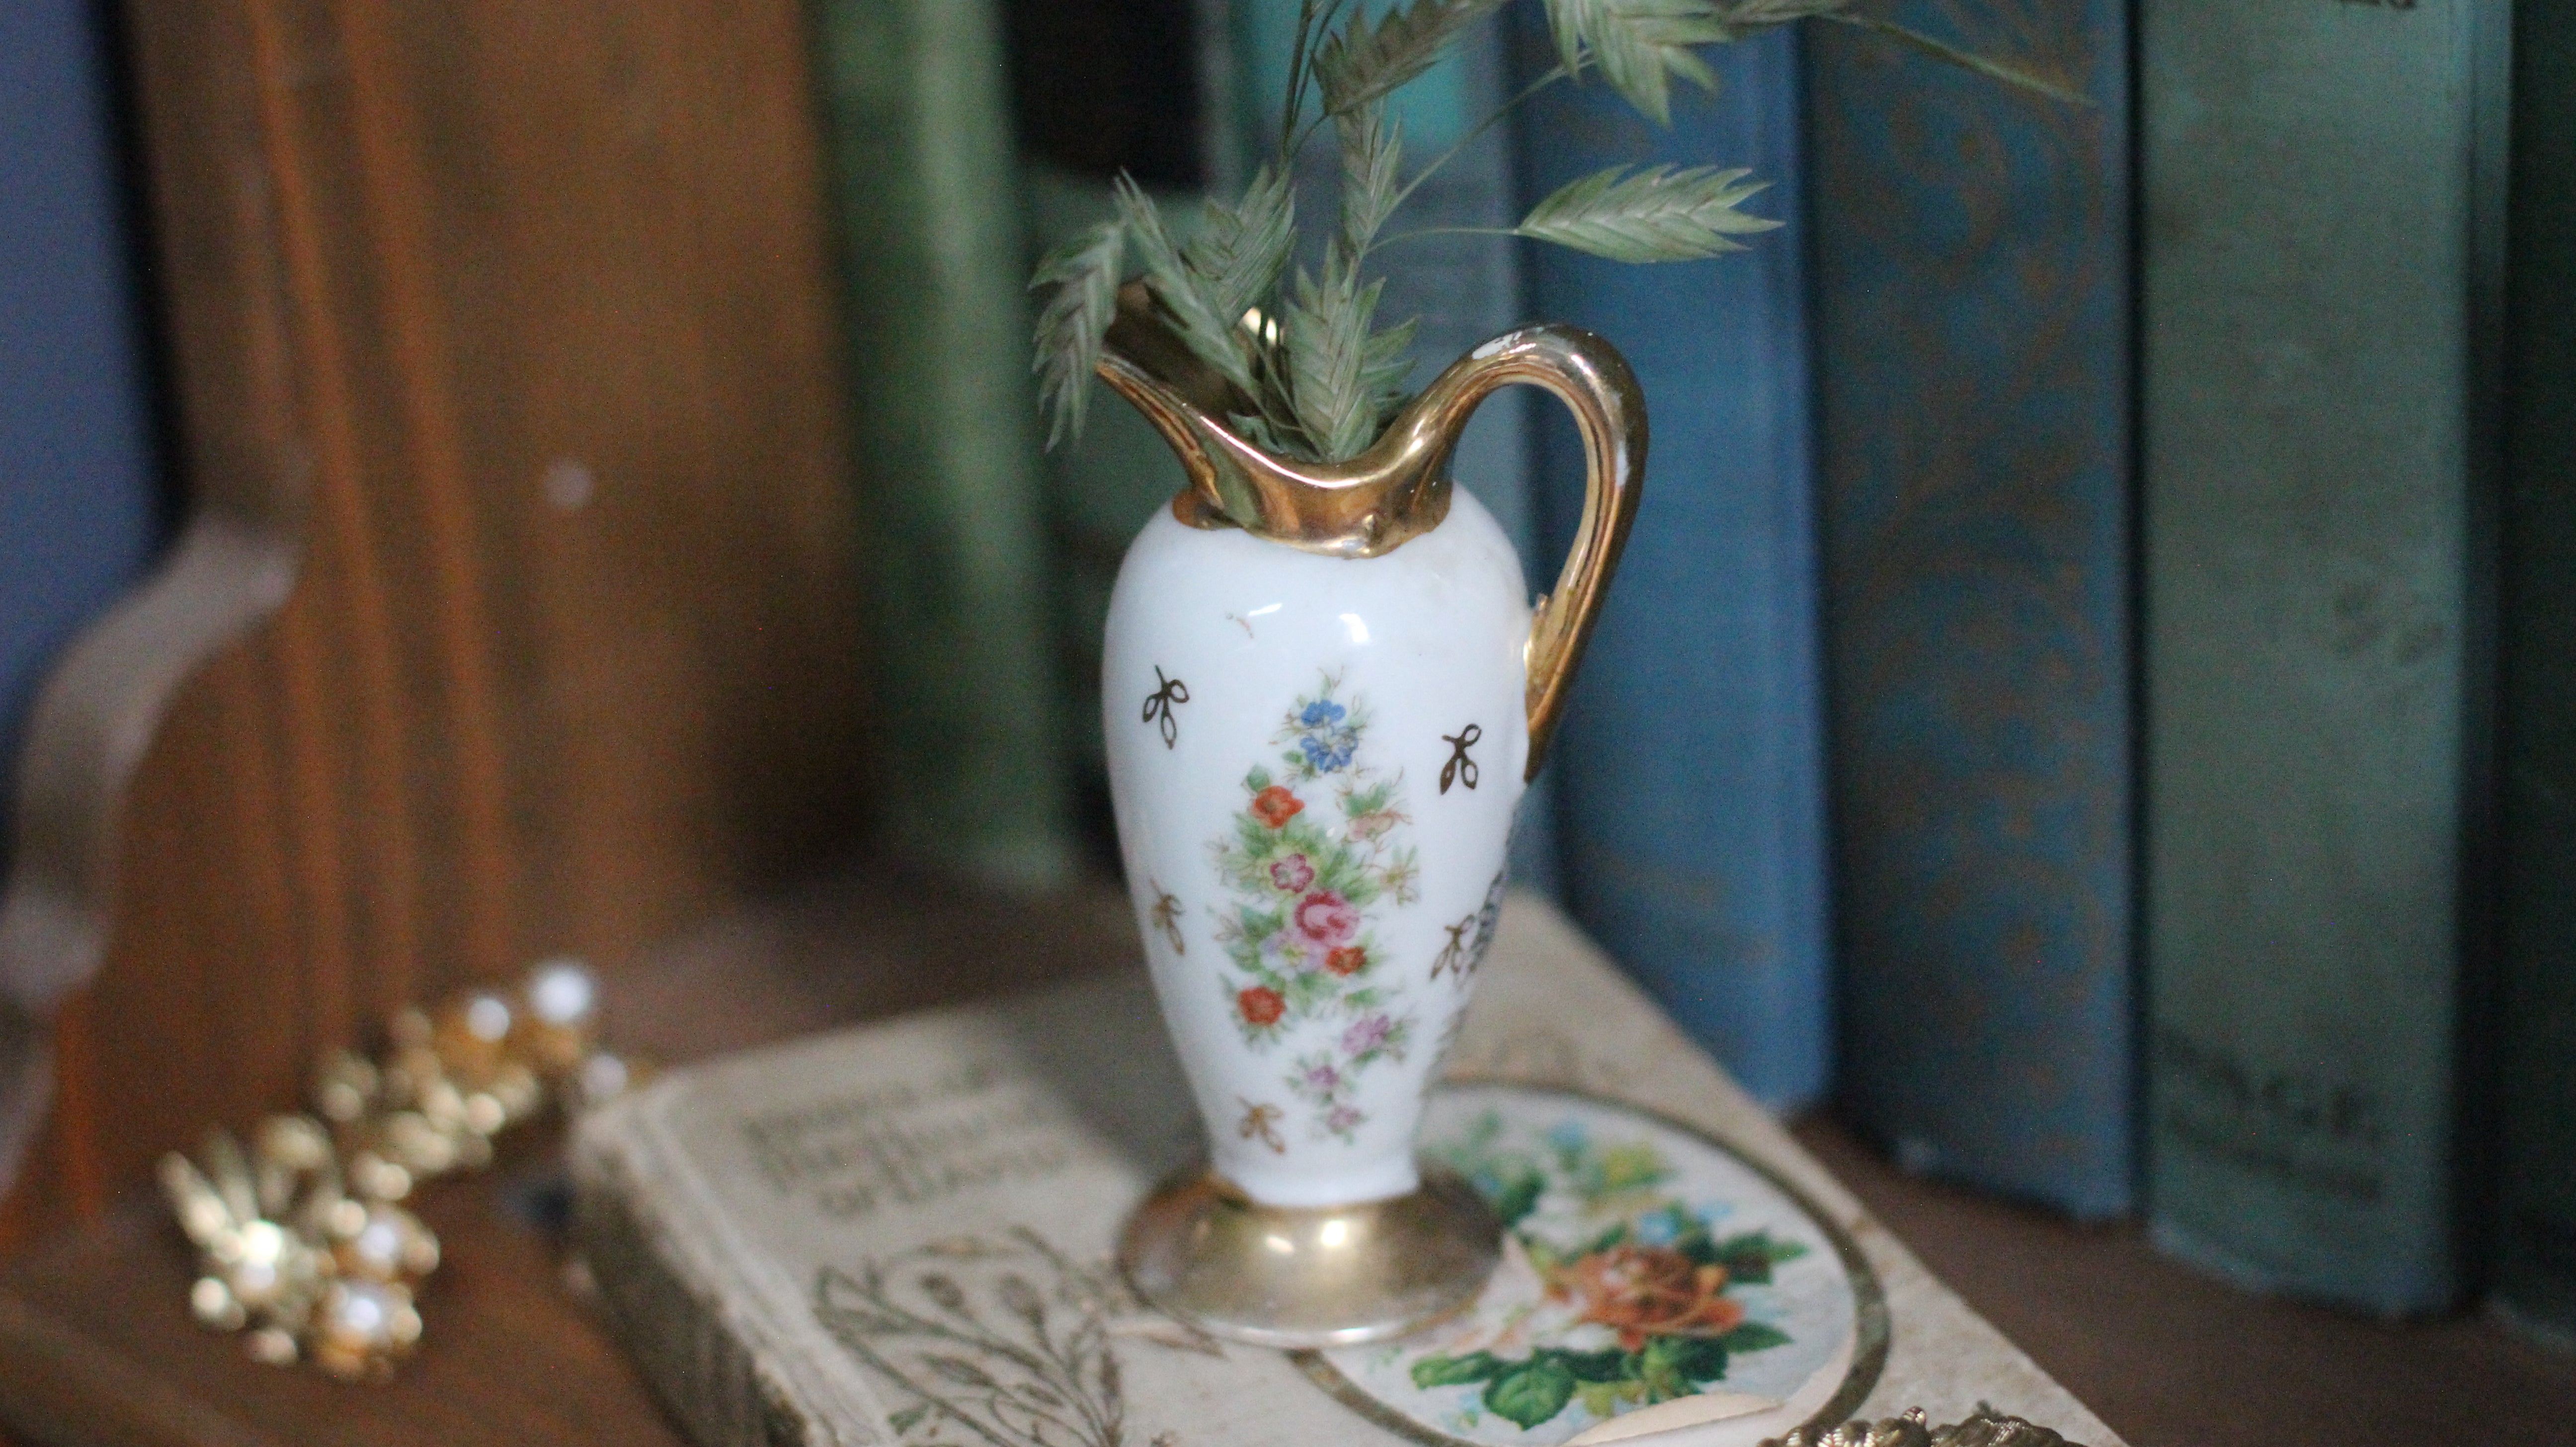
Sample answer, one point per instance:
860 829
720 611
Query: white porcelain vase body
1325 685
1315 762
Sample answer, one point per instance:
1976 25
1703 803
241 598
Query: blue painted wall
80 504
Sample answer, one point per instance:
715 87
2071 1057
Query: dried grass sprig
1319 377
1370 60
1657 214
1081 282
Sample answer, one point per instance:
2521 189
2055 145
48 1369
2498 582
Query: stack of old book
902 1233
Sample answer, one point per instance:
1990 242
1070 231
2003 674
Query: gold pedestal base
1325 1276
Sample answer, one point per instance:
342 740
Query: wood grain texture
516 614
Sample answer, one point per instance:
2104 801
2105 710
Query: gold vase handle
1589 376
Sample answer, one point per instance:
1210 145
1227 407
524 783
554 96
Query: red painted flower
1261 1005
1348 960
1643 1291
1276 805
1292 873
1326 919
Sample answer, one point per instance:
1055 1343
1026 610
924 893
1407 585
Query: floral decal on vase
1314 853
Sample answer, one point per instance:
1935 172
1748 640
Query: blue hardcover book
1690 775
79 503
1973 295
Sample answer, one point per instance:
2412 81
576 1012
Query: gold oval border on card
1869 1300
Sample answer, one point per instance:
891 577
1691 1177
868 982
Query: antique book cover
1972 362
901 1234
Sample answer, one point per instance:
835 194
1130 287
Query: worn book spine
1691 774
1465 288
2534 1236
2322 188
916 104
1972 283
79 495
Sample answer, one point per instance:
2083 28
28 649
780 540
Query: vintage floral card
1645 1263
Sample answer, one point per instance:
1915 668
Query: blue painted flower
1568 1135
1325 758
1322 713
1659 1228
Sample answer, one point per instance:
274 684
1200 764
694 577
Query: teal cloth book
916 110
1971 246
2534 1235
79 493
1690 770
2323 190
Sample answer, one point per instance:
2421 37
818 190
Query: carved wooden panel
517 610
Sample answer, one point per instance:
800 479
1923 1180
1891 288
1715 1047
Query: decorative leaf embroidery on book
1003 1344
1304 894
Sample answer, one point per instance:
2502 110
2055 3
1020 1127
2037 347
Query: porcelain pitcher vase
1325 689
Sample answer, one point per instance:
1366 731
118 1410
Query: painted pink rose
1326 919
1292 873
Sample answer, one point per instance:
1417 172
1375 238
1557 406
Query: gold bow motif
1985 1428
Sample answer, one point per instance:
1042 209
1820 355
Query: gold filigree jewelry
1986 1428
301 1242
